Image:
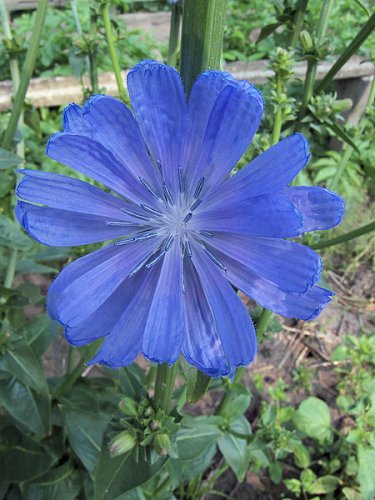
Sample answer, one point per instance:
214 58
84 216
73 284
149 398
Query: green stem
73 5
174 34
345 237
332 185
278 116
352 48
298 22
312 65
112 49
93 56
266 315
27 71
202 38
11 269
164 383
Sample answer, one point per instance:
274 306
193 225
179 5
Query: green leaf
29 266
117 475
366 472
323 485
199 464
343 135
22 458
276 472
30 409
267 30
236 402
234 449
62 483
8 159
196 434
11 235
21 362
314 419
301 456
85 432
197 382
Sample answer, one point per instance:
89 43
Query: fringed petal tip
51 141
306 146
152 65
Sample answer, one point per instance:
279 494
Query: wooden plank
14 5
62 90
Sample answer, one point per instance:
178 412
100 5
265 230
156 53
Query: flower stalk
174 33
27 71
201 48
112 49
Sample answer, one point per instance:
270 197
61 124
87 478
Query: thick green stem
201 47
349 150
266 315
298 23
73 5
202 38
94 82
312 65
174 34
112 49
164 384
352 48
11 269
27 71
345 237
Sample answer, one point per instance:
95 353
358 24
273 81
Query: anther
151 210
188 217
195 205
216 261
148 187
199 187
181 181
169 243
134 214
156 260
158 164
121 224
167 194
188 248
207 234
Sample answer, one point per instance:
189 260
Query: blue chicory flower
184 231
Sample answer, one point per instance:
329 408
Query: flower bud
128 406
162 444
122 443
306 40
342 105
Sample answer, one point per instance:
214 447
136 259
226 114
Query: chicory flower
183 231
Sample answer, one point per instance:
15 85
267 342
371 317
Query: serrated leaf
8 159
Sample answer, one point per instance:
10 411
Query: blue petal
320 208
124 342
108 121
227 133
83 286
270 215
90 158
267 173
230 317
165 328
203 347
304 306
66 193
158 99
293 267
54 227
